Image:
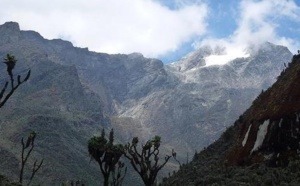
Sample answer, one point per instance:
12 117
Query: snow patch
224 58
262 131
246 136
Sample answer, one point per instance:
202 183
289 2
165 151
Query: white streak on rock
246 136
262 131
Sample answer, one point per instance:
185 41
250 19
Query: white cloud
114 26
258 22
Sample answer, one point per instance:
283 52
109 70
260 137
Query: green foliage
10 62
108 157
97 147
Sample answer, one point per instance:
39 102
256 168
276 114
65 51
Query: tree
107 155
10 62
118 174
146 163
29 145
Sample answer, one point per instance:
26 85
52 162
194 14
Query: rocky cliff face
262 148
76 92
199 102
269 130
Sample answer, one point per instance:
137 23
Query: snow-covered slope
199 101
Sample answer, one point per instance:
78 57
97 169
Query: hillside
262 148
48 105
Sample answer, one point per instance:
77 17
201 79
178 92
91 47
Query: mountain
262 148
53 103
199 101
73 93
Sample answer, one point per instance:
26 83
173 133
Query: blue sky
165 29
223 21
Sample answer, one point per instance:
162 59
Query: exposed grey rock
204 101
187 103
10 32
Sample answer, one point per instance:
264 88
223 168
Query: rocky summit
73 93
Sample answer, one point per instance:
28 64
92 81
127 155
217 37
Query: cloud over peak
258 21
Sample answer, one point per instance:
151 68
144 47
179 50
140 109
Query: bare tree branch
145 163
10 62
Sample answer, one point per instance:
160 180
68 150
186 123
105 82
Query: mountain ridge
189 110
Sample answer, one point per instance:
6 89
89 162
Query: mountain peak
11 26
10 32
